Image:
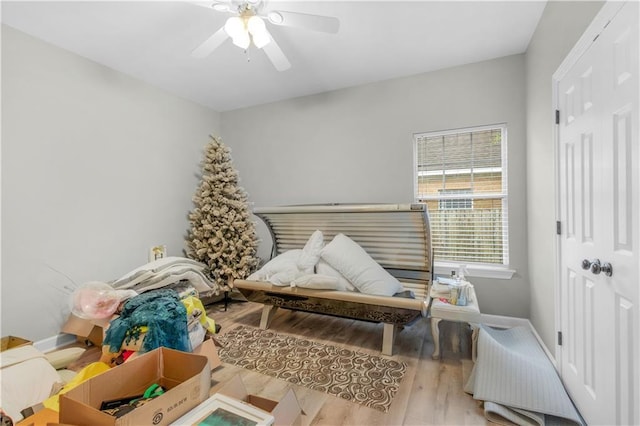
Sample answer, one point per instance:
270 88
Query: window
461 176
455 203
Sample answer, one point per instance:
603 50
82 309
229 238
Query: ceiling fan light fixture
242 40
260 40
234 27
249 27
255 25
258 31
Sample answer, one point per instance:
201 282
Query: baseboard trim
506 322
500 321
54 342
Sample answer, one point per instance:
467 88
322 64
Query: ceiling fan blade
222 6
325 24
210 44
219 5
276 56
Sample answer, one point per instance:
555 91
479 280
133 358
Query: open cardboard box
44 417
48 417
11 342
86 329
185 377
208 349
287 411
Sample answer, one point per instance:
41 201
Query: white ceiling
377 40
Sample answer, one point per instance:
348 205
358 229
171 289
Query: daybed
396 236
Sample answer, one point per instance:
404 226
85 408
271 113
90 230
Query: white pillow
316 281
323 268
282 262
357 266
311 252
283 278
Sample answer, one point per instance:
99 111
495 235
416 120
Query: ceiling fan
248 25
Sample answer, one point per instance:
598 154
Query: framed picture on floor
221 410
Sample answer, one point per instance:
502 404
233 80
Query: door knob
596 267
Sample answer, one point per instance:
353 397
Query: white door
599 192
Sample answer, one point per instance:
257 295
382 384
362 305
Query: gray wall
560 27
97 167
355 145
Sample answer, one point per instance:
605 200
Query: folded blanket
164 272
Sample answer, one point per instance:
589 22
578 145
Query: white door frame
601 20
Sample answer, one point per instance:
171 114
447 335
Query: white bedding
27 379
340 265
166 271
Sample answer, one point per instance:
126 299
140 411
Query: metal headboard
397 236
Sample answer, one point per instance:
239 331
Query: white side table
470 313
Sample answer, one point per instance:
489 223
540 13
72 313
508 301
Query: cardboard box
208 349
185 377
86 329
10 342
287 411
43 417
222 409
48 417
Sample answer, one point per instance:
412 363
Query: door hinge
558 227
559 338
557 116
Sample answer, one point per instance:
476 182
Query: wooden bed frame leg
388 337
268 312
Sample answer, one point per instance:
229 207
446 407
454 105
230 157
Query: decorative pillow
323 268
357 266
286 261
321 282
311 252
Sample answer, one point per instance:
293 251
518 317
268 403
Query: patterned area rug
366 379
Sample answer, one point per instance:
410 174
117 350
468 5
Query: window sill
479 271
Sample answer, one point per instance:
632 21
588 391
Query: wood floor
431 393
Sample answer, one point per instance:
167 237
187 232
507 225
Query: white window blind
455 203
461 176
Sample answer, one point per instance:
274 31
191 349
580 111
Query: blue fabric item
162 312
